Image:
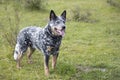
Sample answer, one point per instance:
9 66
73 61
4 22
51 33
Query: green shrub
33 4
10 34
81 15
115 3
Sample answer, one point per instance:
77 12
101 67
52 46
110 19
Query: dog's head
57 23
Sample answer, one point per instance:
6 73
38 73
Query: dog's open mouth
60 32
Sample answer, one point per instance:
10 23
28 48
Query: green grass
89 51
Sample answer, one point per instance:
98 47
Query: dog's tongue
61 32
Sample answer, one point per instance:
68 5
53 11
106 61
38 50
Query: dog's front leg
54 60
46 64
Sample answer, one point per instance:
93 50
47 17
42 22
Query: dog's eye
63 21
57 22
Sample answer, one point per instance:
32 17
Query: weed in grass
12 31
112 31
34 4
82 15
115 3
115 73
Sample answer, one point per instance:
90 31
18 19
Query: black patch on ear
63 15
52 15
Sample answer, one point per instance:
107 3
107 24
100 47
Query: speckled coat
38 38
46 39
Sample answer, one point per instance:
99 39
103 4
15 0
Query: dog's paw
30 62
18 67
47 72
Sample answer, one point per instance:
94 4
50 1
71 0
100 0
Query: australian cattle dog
47 39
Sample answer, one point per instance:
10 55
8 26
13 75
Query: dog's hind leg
20 55
29 54
54 60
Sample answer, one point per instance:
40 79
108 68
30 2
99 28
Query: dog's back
27 37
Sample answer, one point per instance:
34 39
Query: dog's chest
50 45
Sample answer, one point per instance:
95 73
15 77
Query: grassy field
90 49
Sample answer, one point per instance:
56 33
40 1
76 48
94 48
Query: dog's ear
52 15
63 15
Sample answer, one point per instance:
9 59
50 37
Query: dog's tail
15 55
16 52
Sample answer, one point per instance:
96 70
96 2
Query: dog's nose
63 27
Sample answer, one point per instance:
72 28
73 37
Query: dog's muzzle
61 31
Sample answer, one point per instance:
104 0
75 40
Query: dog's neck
49 33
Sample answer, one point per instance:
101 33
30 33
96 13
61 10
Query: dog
47 40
